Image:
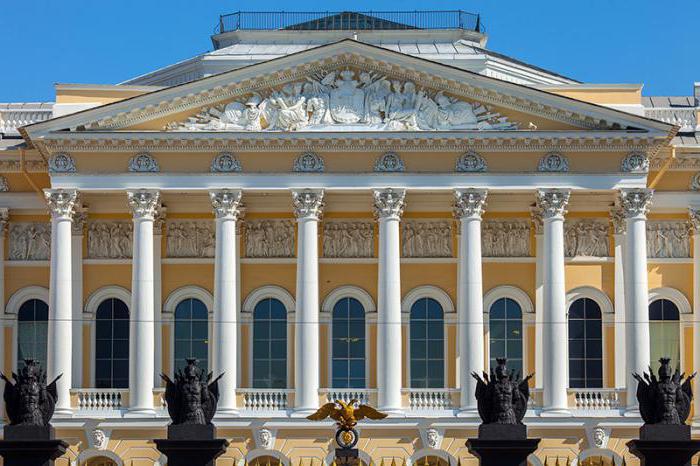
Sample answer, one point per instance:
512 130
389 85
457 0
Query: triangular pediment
348 86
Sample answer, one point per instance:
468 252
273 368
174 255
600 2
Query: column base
63 412
140 412
468 412
227 412
393 411
302 412
555 412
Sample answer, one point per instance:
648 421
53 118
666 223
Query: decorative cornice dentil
552 202
309 162
226 203
389 162
469 202
694 216
61 202
617 218
470 162
143 203
635 202
143 163
225 162
308 203
553 162
635 162
389 202
61 162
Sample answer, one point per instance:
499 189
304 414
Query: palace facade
337 206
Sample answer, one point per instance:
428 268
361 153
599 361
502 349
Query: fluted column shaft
227 209
619 226
4 218
389 204
694 214
308 206
469 205
143 204
552 205
77 286
635 204
61 204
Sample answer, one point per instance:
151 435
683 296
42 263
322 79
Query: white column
619 228
158 223
227 209
552 204
388 205
77 269
469 205
143 204
4 218
694 214
539 296
635 204
59 351
308 207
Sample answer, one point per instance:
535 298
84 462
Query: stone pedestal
667 445
191 445
502 445
347 456
30 446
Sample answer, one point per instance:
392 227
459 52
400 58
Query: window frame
111 358
487 341
584 359
331 342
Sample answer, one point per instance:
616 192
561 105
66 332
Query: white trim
262 452
588 452
427 291
423 452
508 291
23 295
92 453
348 291
268 291
602 299
186 292
673 295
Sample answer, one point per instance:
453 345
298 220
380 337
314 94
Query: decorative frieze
389 162
553 162
586 238
348 239
30 241
61 163
505 238
269 238
470 162
143 162
668 239
309 162
427 238
225 162
190 238
110 240
635 162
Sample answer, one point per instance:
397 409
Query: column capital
389 202
469 203
226 203
552 202
536 217
159 219
143 203
61 202
635 202
79 220
617 218
308 203
694 216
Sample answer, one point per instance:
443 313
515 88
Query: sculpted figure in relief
668 239
588 238
348 239
30 241
110 240
427 239
346 100
505 238
269 238
190 238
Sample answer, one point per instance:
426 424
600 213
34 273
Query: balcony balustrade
258 399
426 399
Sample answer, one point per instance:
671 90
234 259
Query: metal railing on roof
349 20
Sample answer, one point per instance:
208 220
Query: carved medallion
61 163
695 182
389 162
225 162
309 162
636 162
553 162
4 186
470 162
143 162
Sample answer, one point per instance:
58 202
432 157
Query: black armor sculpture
502 399
191 398
665 400
29 401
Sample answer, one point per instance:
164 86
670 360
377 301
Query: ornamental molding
143 163
471 162
309 162
552 202
265 438
389 162
225 162
635 202
61 162
695 182
61 202
635 162
4 185
389 202
32 166
469 202
227 203
681 162
308 204
553 162
143 203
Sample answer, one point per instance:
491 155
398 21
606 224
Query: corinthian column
619 229
694 214
79 220
61 204
4 220
308 206
227 209
469 205
144 205
388 206
635 205
552 205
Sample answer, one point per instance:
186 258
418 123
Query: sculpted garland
346 101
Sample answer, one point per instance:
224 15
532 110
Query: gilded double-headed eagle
344 414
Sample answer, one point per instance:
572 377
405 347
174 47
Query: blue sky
89 41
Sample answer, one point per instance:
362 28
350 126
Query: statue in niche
192 397
29 401
665 400
502 398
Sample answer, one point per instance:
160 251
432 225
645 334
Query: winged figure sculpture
666 399
191 397
346 415
29 400
502 398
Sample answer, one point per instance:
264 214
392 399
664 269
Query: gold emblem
344 414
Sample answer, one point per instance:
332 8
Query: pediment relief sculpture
586 238
30 241
427 238
346 100
505 238
668 239
269 238
190 238
110 240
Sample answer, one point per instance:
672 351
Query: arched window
585 344
191 333
506 333
32 332
112 344
348 366
665 332
269 344
427 344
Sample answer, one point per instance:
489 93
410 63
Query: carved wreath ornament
346 100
